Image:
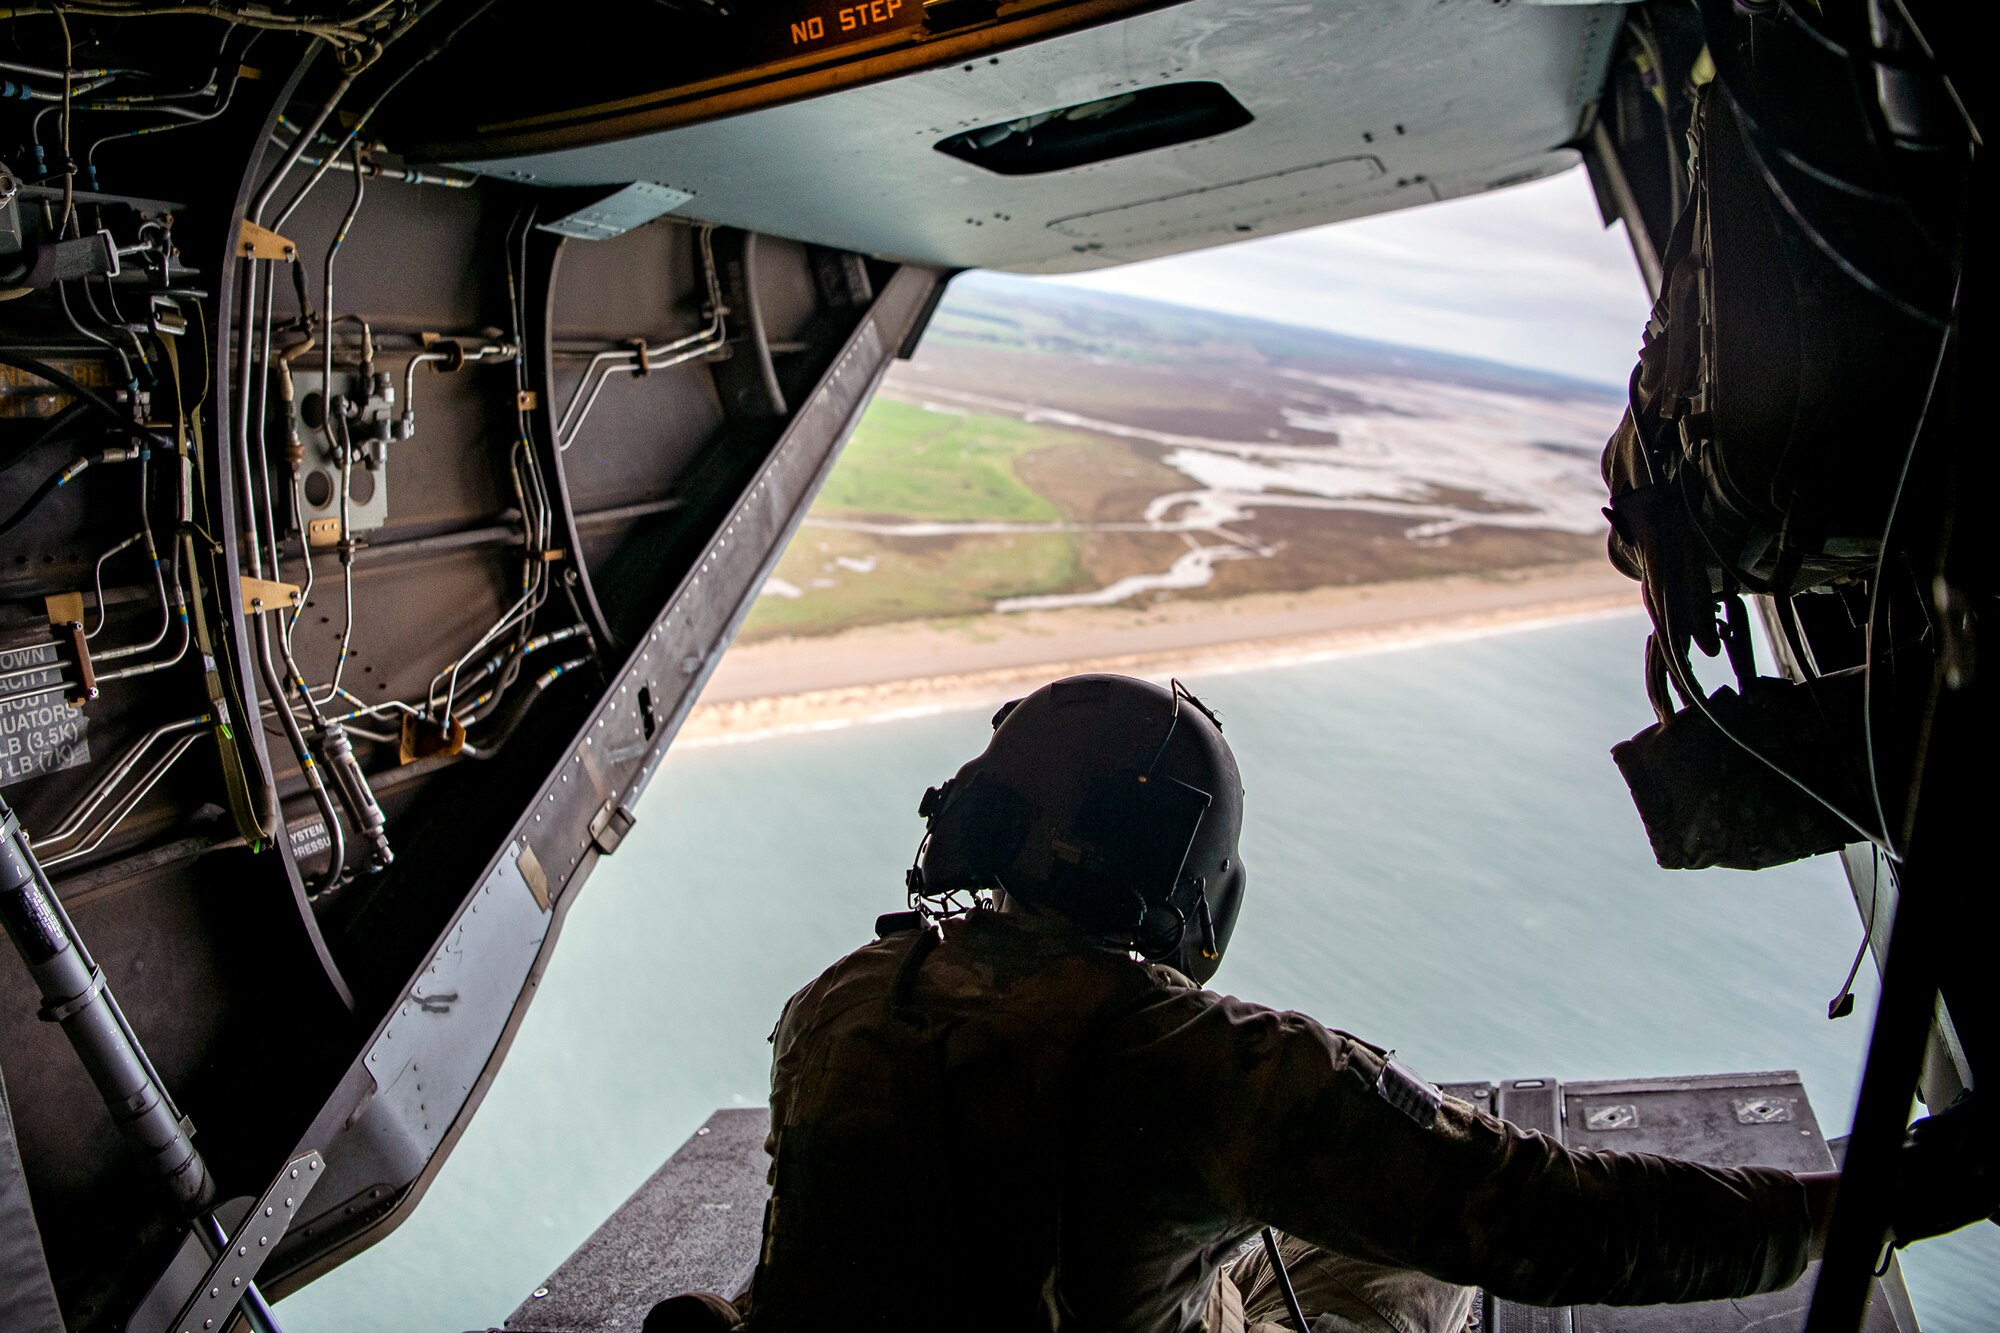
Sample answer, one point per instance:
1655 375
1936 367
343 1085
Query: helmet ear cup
1162 930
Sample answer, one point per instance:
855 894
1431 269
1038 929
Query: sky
1525 276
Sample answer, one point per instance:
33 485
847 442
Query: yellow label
26 394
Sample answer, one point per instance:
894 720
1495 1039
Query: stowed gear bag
1706 799
1769 416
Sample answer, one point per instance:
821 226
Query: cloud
1526 276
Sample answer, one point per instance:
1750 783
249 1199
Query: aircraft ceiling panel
1359 106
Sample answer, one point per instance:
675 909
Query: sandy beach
786 685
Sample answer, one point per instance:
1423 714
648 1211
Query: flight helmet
1112 801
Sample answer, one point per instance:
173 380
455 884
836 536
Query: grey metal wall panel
27 1300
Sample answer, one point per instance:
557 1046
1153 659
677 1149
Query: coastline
780 687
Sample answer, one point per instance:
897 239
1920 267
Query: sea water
1441 856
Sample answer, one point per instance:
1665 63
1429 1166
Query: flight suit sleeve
1315 1141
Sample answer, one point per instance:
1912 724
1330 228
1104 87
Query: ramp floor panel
696 1225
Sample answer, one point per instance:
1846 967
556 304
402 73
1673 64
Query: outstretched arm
1305 1134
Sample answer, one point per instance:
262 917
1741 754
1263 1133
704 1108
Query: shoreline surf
786 687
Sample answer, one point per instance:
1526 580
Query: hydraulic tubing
274 684
354 789
76 995
247 503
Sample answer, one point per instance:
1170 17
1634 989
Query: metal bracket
60 1013
266 594
609 827
255 242
532 873
1618 1115
66 621
229 1278
1763 1111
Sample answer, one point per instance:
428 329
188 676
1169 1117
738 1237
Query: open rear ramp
696 1225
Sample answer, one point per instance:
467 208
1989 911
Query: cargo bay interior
401 404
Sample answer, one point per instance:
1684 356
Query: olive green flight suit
1019 1129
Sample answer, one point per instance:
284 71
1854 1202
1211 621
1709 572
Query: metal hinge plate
609 827
229 1277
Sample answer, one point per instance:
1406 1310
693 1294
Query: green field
910 463
907 463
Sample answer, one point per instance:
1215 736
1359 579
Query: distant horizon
1525 278
1000 277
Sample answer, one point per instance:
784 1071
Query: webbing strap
228 748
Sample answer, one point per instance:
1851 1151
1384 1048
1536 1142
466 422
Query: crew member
1036 1118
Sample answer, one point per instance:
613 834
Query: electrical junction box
370 425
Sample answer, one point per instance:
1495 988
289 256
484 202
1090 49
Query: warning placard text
39 732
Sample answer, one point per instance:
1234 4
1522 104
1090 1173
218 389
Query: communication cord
1284 1281
1882 555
